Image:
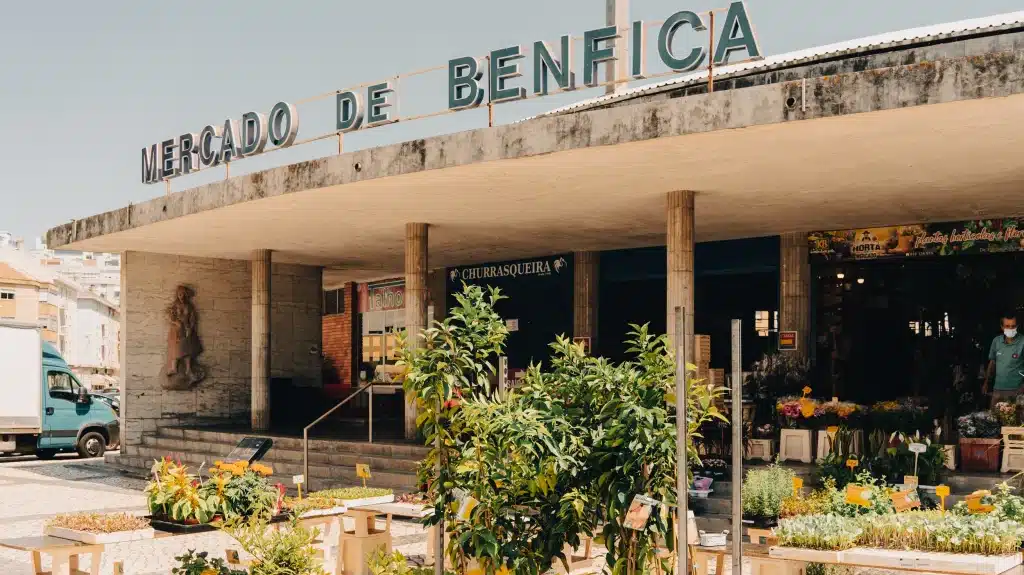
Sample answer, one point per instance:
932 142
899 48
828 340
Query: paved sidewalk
32 491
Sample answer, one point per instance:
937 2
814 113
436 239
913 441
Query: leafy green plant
175 494
823 532
898 461
546 463
192 563
287 551
764 491
380 562
881 504
1006 505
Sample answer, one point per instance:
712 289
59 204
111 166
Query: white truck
43 407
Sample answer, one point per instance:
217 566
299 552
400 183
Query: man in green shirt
1005 363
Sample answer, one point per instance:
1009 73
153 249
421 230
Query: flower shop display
899 461
903 415
763 493
979 441
179 501
95 528
921 540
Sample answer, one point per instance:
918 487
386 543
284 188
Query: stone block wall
223 292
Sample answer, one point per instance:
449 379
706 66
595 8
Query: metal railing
305 430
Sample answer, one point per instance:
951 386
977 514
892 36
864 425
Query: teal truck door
62 415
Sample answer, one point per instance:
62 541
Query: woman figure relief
183 344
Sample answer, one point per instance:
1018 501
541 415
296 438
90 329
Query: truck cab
72 419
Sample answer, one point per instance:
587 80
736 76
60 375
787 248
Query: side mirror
83 395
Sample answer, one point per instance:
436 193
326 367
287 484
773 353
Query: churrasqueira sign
372 106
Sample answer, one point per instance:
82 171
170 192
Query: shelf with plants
979 441
182 502
337 501
95 528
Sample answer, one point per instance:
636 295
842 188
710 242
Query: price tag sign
798 484
859 495
298 479
852 464
910 481
977 502
942 492
363 471
905 500
639 512
918 448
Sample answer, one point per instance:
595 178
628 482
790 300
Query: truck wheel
45 454
91 444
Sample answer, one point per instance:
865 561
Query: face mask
1010 333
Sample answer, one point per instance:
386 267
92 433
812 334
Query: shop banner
381 297
940 239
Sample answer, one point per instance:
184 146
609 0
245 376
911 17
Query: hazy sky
86 85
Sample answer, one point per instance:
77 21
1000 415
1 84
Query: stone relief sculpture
183 345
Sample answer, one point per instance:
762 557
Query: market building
725 203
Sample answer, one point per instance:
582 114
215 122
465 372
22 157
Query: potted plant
94 528
763 493
797 416
193 563
979 441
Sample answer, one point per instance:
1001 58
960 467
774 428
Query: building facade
912 127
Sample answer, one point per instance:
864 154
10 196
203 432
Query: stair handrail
305 430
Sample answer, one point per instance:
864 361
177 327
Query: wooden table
64 553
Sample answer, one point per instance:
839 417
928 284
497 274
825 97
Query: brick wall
337 334
223 302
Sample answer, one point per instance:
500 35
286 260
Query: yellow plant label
362 471
832 430
975 502
859 495
798 484
466 507
905 500
806 407
942 491
852 463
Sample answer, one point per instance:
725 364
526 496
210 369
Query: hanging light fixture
840 275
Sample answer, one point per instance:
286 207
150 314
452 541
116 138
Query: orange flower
264 470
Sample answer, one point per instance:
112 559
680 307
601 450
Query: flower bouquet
797 412
1006 413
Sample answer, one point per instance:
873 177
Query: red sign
787 341
381 297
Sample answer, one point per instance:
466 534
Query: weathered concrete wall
222 300
982 67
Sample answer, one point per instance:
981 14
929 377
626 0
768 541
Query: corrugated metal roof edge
878 42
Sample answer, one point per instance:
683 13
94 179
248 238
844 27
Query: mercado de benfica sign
553 70
942 239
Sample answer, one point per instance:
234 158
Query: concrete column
261 340
679 244
795 289
617 14
415 301
584 295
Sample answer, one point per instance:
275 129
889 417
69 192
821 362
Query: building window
334 301
766 322
6 294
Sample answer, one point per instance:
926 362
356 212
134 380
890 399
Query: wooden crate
702 350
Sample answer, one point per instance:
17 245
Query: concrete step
277 454
402 450
321 475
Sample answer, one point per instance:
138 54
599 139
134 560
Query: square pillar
679 246
415 302
260 400
584 296
795 289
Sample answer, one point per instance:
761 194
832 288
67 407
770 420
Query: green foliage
549 462
351 493
881 503
765 489
287 551
380 562
824 532
193 563
175 494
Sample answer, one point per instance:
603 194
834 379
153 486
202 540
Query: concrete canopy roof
923 142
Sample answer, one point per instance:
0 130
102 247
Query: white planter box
759 449
99 538
928 561
795 445
809 555
324 512
366 501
